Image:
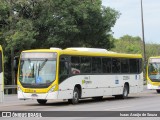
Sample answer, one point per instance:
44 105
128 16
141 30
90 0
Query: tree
16 34
128 44
29 24
70 23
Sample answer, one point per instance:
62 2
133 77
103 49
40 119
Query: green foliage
67 21
130 44
23 36
152 50
29 24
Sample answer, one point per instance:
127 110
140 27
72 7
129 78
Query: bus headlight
19 88
148 82
52 89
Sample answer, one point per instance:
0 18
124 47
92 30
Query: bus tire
125 91
124 94
76 95
158 91
42 102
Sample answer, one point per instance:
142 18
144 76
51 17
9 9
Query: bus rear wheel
125 93
42 102
75 99
158 91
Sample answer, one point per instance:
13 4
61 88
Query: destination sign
30 55
155 60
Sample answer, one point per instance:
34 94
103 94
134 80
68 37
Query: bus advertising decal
116 81
86 82
137 77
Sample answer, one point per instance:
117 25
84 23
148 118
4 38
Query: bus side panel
67 86
136 83
105 85
141 83
65 94
92 85
107 91
100 85
133 89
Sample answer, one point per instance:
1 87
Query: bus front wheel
42 102
158 91
75 98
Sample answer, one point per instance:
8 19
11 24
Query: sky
130 18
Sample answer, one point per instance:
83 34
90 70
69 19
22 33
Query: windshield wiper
42 65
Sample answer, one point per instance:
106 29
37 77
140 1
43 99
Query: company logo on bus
86 82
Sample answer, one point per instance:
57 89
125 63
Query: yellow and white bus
76 73
1 76
153 73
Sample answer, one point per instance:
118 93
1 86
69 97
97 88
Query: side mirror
16 60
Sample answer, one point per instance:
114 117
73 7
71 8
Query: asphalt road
148 100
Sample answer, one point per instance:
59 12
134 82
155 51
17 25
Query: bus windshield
37 71
154 71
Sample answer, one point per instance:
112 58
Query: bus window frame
139 68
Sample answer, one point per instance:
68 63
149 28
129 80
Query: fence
8 87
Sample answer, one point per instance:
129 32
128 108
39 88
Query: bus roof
154 57
87 52
0 47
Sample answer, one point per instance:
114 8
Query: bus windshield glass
37 70
154 70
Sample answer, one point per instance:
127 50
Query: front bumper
46 96
152 87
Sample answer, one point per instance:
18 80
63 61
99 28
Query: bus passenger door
65 85
63 71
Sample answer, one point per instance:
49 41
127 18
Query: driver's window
63 69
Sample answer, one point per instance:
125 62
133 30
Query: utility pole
144 49
12 48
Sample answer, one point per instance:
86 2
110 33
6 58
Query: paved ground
148 100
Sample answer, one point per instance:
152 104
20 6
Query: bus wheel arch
76 94
79 88
127 84
125 93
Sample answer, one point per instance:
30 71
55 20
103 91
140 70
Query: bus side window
116 65
134 65
124 65
75 65
96 65
106 67
63 70
140 65
85 64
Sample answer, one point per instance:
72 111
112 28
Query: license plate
30 91
34 96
